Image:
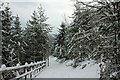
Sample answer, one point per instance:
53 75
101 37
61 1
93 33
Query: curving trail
60 70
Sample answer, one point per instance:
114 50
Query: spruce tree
36 35
107 13
8 53
60 45
17 39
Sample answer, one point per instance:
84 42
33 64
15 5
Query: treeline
22 44
93 34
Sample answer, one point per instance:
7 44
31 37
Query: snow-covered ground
60 70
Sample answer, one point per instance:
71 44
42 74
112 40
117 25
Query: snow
11 51
26 63
4 30
18 65
16 35
69 62
70 49
3 67
19 43
60 70
113 74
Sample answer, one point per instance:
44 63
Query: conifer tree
107 20
60 45
37 36
17 39
8 53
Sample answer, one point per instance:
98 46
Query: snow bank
69 62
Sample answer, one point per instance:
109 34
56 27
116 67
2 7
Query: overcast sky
54 9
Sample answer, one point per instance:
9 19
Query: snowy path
57 70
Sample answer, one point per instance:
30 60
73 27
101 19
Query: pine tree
81 34
1 6
37 36
110 29
60 45
107 13
17 40
8 55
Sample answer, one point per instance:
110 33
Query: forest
93 34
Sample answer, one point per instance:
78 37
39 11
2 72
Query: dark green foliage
8 56
93 35
36 37
12 50
24 45
17 39
60 43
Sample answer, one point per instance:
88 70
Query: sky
55 10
